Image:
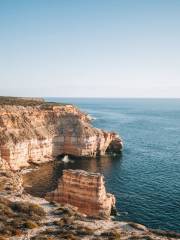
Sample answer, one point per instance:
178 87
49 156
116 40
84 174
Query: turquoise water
146 178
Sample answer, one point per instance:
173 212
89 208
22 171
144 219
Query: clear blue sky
90 48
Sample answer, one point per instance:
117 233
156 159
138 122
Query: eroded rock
84 190
35 131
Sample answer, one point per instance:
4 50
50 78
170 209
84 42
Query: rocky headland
35 131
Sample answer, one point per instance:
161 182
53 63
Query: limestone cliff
32 130
84 190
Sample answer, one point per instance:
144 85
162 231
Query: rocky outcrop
26 217
43 220
84 190
37 131
10 182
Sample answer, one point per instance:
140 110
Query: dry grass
15 217
20 101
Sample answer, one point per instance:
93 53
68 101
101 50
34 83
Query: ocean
146 178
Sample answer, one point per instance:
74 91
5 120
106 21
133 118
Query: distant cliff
32 130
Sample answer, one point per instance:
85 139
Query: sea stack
84 190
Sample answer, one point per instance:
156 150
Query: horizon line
80 97
116 97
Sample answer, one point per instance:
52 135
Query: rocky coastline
35 131
25 217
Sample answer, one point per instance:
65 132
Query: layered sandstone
84 190
37 131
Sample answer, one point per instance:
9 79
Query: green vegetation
20 101
25 101
49 105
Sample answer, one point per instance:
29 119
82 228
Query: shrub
5 210
36 209
30 224
22 207
85 231
17 223
28 208
112 234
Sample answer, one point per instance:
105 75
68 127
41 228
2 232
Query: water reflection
45 178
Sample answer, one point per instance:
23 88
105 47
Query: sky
90 48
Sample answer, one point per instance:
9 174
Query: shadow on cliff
91 164
46 177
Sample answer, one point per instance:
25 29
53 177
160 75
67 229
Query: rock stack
84 190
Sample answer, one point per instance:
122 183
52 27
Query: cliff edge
32 130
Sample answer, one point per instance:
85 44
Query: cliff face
84 190
38 131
